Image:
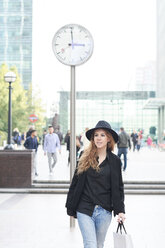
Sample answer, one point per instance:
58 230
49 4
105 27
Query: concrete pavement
40 221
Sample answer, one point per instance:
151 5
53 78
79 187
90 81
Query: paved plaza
144 165
40 220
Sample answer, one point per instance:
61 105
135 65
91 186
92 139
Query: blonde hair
89 156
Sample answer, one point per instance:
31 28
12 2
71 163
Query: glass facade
16 37
120 109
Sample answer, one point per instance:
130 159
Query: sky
124 34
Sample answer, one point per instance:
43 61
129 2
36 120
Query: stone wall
16 168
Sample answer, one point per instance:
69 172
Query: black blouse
97 189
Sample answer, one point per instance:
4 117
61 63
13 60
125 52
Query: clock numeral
58 52
56 44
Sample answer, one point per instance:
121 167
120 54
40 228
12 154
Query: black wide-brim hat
102 125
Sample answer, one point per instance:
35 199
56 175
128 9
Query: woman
97 187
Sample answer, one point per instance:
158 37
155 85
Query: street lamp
9 77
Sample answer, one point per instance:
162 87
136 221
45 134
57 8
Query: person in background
23 138
149 142
67 141
43 138
139 141
60 135
134 137
97 187
15 132
78 145
123 144
31 142
51 144
29 131
17 137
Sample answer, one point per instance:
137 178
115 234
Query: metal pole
9 116
72 130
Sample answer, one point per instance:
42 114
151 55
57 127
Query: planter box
16 168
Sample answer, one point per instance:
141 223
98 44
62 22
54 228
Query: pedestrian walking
134 137
139 141
29 131
67 141
16 137
97 187
23 138
31 142
123 144
149 142
78 146
66 136
59 133
51 144
15 132
43 138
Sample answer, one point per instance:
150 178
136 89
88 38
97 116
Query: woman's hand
121 217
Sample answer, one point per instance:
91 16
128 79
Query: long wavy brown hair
89 157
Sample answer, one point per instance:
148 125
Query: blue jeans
94 229
123 151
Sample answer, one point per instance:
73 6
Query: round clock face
73 45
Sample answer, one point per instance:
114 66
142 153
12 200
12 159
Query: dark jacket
31 143
117 189
60 136
124 140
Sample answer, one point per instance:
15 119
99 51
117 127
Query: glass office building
119 108
159 102
16 37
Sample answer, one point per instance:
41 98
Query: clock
73 45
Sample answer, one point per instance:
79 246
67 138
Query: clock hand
78 44
72 38
75 44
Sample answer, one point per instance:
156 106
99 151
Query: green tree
3 98
19 102
24 103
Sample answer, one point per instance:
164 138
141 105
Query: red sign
33 118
